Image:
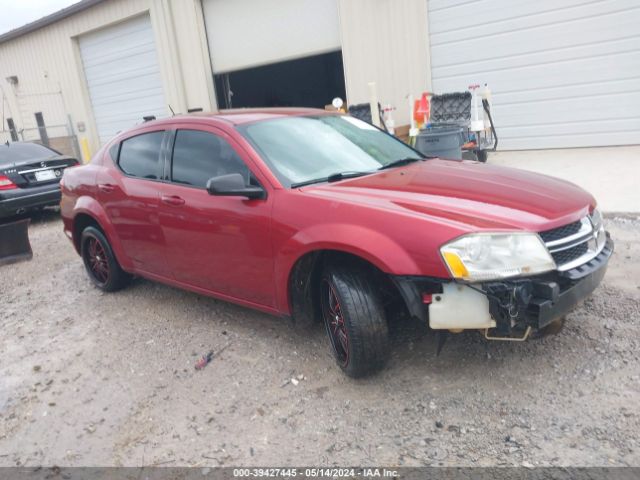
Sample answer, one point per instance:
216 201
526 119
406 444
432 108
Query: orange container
421 110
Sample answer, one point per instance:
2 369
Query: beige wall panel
385 41
194 54
47 60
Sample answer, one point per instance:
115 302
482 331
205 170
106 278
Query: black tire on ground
100 262
482 155
354 320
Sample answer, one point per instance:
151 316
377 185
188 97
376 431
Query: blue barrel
441 141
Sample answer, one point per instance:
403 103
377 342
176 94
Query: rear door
129 194
219 244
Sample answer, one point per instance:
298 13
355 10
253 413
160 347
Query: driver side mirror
233 185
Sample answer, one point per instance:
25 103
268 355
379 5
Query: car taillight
6 183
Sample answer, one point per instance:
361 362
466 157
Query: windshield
304 149
17 152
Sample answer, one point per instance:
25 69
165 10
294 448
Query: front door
220 244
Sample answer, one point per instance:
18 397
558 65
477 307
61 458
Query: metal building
562 71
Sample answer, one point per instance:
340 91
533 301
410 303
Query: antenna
173 114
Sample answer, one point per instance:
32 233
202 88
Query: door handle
106 187
172 200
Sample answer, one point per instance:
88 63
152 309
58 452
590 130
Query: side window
198 156
113 151
140 155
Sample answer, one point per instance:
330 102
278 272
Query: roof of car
241 116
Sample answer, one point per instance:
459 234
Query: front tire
354 320
100 262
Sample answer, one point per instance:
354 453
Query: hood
471 194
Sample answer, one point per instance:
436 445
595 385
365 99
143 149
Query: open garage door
121 68
563 74
275 52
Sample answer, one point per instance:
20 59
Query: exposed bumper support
580 281
520 303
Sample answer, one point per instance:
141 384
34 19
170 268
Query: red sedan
321 217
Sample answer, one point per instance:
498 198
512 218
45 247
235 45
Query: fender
91 207
368 244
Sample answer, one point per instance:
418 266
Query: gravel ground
107 379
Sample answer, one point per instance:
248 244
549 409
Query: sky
15 13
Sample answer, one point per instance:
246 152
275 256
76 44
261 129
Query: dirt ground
98 379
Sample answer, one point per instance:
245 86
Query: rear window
17 152
140 155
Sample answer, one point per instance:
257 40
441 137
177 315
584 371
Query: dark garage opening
306 82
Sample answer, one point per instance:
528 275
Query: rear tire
100 262
354 320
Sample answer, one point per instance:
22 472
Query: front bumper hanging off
516 304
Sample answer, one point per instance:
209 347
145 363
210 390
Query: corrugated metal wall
44 61
49 70
383 41
123 76
564 73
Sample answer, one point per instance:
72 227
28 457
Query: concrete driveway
611 174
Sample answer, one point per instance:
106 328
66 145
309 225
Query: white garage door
249 33
121 68
564 73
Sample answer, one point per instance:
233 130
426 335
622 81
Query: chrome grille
561 232
576 243
565 256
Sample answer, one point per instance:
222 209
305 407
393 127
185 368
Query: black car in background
30 176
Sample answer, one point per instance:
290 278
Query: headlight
490 256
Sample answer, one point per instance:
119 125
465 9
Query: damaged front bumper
508 307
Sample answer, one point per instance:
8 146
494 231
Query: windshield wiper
400 162
334 177
308 182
